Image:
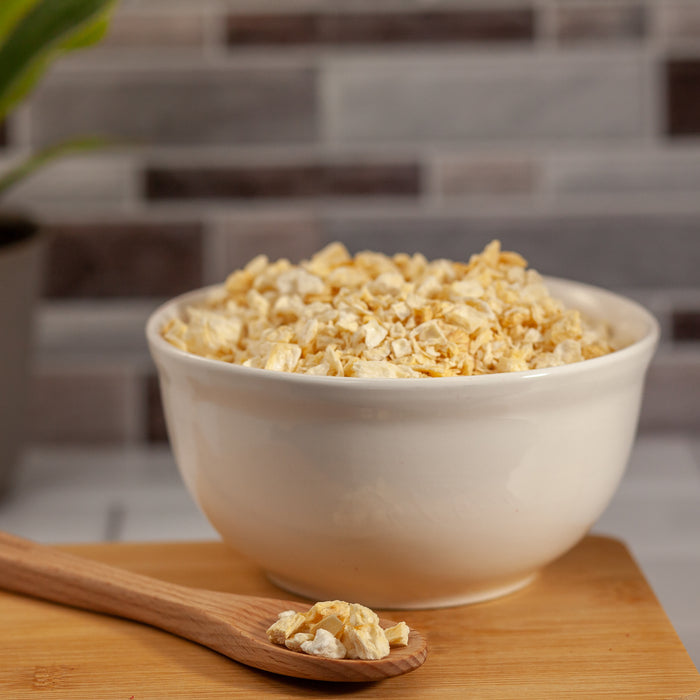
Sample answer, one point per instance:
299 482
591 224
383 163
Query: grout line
114 522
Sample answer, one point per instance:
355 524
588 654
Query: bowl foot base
469 598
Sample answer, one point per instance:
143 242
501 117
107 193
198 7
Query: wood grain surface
588 627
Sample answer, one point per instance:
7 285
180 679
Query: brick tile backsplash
132 259
568 129
369 27
179 106
283 181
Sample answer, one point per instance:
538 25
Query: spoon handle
44 572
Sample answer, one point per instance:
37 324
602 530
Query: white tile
102 477
676 583
516 95
72 520
656 509
165 515
104 329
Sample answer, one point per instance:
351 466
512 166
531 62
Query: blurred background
566 128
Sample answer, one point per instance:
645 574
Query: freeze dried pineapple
337 630
378 316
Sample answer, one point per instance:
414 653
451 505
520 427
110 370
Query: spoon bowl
233 625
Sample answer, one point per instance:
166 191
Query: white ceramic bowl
406 493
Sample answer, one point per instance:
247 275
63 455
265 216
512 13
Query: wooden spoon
233 625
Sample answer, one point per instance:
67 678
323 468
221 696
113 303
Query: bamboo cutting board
588 627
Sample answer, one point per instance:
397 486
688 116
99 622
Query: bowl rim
646 344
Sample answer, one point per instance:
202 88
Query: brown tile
156 430
198 105
281 29
471 25
683 97
685 325
599 22
283 181
82 405
123 259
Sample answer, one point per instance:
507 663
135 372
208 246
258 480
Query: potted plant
33 34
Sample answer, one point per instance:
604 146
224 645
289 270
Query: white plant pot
20 266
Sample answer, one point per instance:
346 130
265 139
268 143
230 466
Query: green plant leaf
48 29
38 160
89 35
11 11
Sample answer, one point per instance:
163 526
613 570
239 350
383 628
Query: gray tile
488 174
663 463
656 507
112 330
515 96
599 22
614 251
95 180
672 394
677 20
655 526
194 105
293 234
71 521
85 404
177 28
654 174
694 441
